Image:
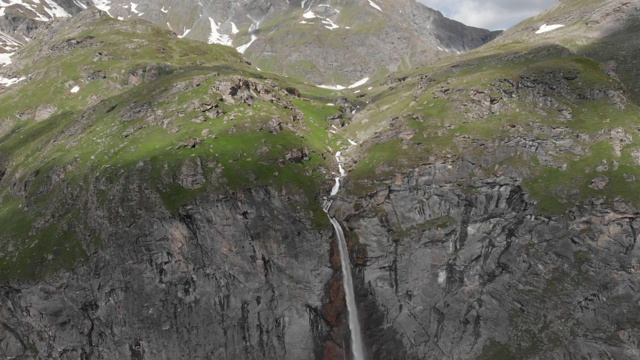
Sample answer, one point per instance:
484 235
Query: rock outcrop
222 279
474 273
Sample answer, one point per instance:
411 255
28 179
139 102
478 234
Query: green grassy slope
146 100
541 109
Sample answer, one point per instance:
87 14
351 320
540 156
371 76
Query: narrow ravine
354 323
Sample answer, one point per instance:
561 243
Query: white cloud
489 14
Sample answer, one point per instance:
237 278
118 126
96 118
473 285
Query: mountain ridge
314 40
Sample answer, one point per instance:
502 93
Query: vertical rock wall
473 273
235 276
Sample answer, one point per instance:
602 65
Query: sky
489 14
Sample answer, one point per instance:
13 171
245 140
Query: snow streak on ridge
374 5
104 5
216 36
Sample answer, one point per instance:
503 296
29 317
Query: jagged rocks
346 106
70 44
207 281
43 112
189 144
136 110
192 174
466 272
619 139
274 125
148 73
237 89
96 75
337 120
11 345
293 91
599 183
296 155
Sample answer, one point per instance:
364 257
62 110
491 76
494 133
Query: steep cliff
473 272
229 276
161 203
492 204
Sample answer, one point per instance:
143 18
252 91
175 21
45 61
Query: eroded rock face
473 273
441 270
235 276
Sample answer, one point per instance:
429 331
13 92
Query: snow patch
134 10
241 49
81 5
52 9
442 277
5 59
186 31
75 89
374 5
332 87
234 28
56 10
9 82
359 83
330 24
546 28
309 15
216 36
352 142
104 5
164 10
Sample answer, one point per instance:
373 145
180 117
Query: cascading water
354 323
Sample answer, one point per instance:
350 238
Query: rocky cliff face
440 271
475 273
202 250
236 276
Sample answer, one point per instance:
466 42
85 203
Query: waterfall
347 280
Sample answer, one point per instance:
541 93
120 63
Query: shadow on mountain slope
620 50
